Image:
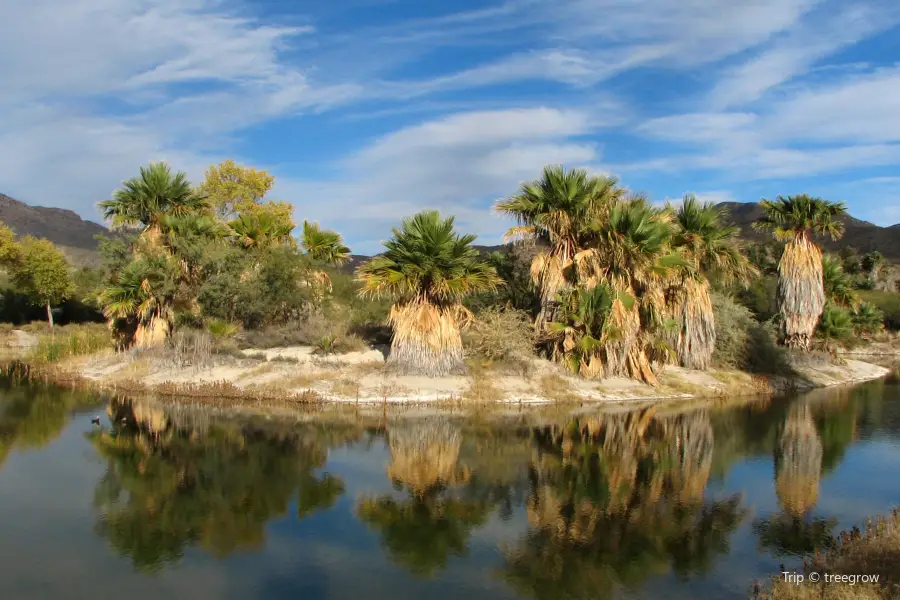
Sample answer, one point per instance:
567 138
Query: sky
367 111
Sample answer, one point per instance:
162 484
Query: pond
653 503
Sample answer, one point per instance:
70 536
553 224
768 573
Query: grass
71 340
873 551
557 388
345 387
481 387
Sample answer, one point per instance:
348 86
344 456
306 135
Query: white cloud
95 88
458 164
795 53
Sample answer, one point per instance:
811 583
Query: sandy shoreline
294 375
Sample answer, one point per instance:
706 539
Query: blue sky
370 110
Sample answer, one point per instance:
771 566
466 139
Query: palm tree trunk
800 294
49 315
426 340
696 339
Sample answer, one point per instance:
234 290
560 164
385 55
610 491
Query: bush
759 297
744 343
500 334
888 303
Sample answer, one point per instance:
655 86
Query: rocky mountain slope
76 235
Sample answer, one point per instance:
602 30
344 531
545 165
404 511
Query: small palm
144 200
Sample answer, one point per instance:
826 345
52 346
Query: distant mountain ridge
61 226
862 235
75 235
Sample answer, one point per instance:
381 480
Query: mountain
75 236
862 235
63 227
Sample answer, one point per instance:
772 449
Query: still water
657 503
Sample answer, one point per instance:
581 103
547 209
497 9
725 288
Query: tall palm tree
709 246
800 294
428 268
142 201
555 211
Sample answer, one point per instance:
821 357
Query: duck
95 420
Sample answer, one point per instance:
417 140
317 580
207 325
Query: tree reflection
35 415
169 486
434 521
616 499
798 461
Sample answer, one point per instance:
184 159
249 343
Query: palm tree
142 201
139 303
631 252
581 328
428 269
800 294
260 229
837 284
708 246
555 211
324 245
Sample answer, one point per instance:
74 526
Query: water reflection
616 499
539 506
32 417
172 485
434 519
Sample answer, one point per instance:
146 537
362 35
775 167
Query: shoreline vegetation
873 552
599 295
296 376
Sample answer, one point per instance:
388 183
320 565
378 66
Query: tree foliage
43 271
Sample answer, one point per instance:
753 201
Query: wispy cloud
458 164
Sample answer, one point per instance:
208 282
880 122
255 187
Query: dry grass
481 387
873 551
557 388
345 387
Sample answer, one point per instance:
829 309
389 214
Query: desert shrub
513 265
190 347
500 334
744 343
733 324
71 340
759 297
258 289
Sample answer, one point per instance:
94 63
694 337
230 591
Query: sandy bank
360 377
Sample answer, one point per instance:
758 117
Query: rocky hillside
862 235
61 226
76 236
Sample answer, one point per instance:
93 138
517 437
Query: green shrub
868 319
835 327
221 328
888 303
